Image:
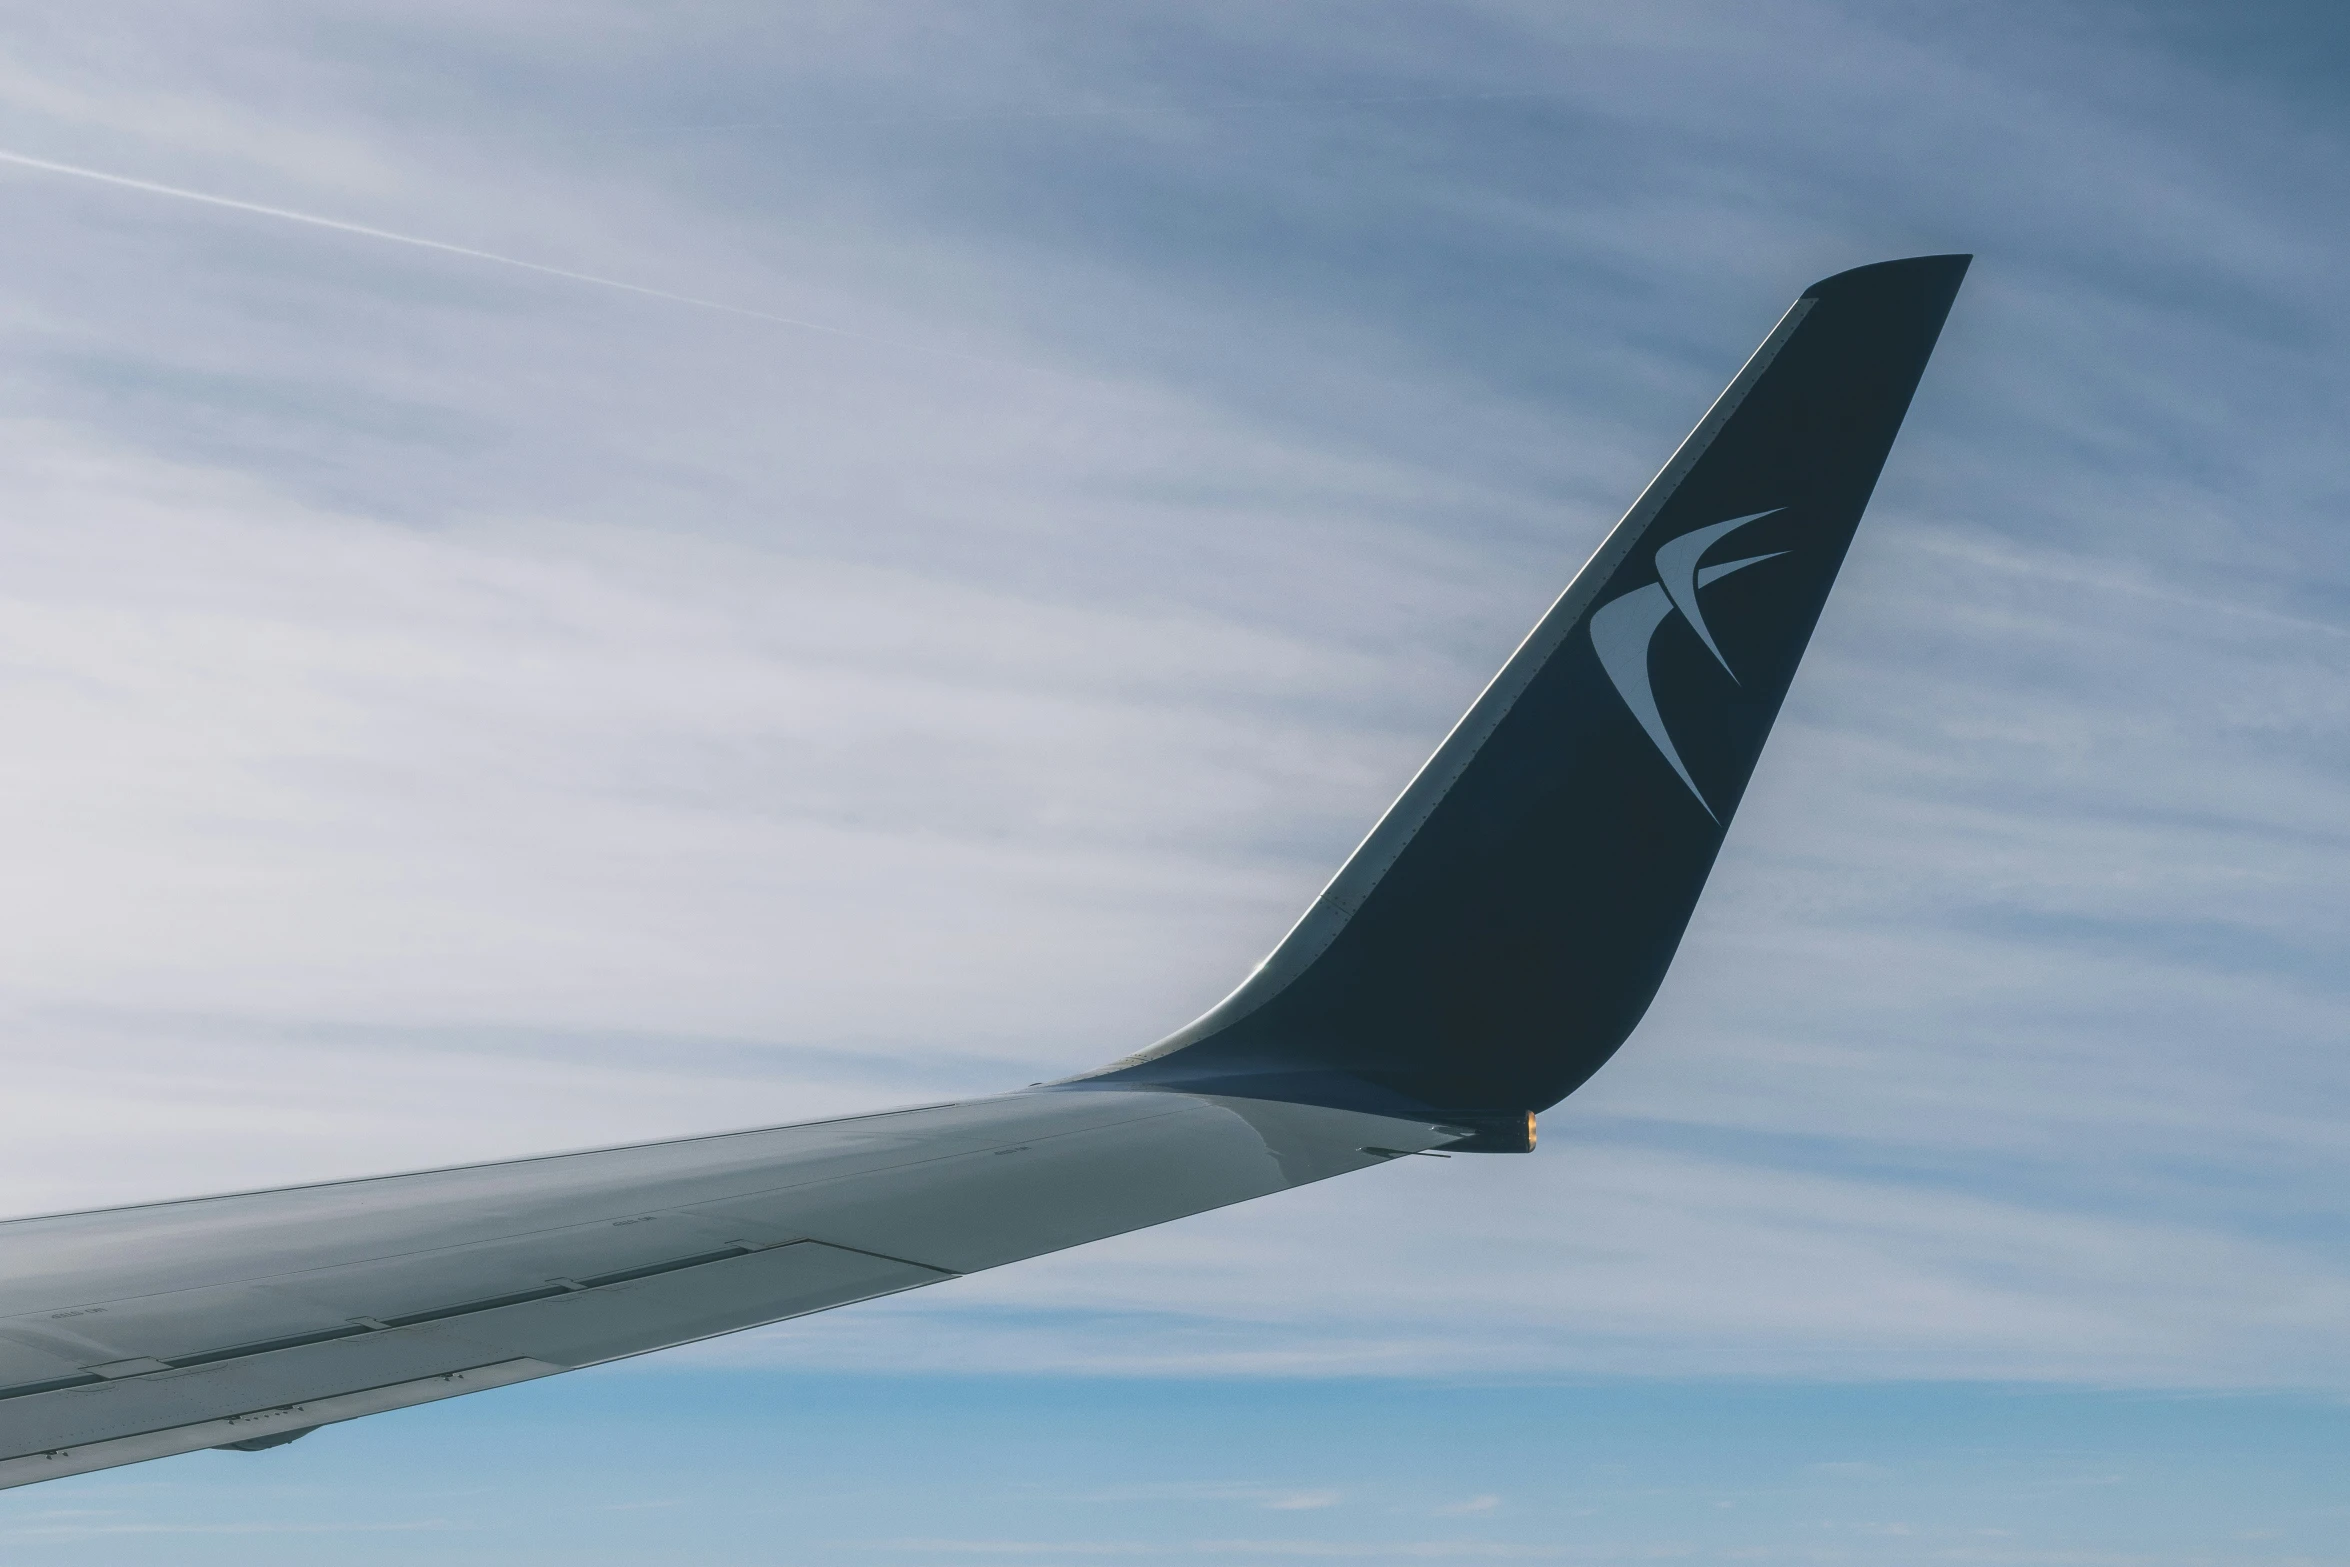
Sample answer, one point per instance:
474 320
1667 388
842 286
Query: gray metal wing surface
1489 946
134 1333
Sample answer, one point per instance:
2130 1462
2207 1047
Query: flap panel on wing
109 1410
627 1319
174 1325
571 1328
186 1327
400 1287
25 1364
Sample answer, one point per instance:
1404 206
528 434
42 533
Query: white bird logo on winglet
1623 628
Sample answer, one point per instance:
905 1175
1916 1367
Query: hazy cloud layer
459 711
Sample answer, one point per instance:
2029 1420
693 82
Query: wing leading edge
1490 944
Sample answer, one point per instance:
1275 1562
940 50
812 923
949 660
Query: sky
583 573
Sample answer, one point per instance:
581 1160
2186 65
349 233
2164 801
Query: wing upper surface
131 1333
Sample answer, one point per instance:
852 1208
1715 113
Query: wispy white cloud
1329 1550
455 714
1471 1506
1271 1498
257 1527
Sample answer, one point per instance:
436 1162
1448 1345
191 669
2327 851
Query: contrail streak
230 203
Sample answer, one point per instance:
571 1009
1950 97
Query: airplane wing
1485 950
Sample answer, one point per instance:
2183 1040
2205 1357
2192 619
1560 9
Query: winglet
1504 926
